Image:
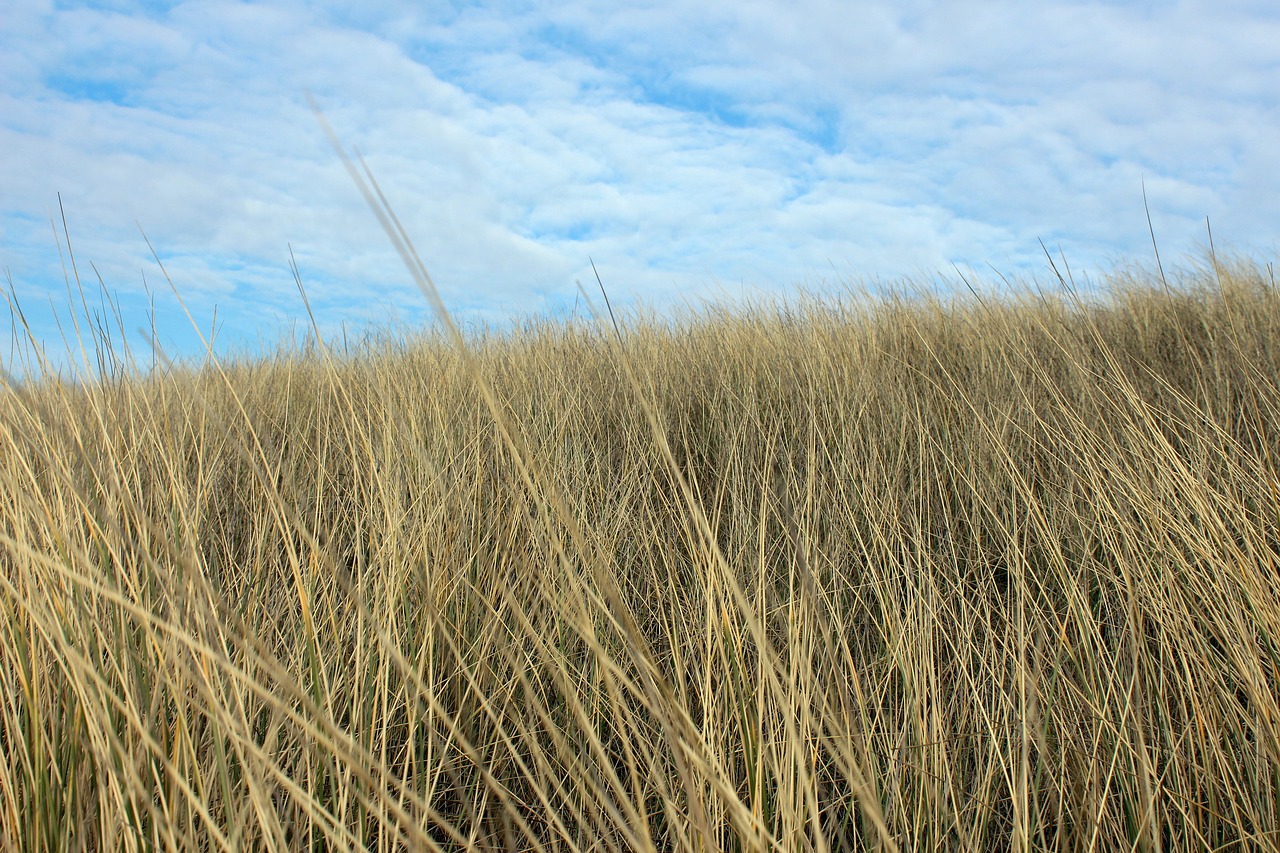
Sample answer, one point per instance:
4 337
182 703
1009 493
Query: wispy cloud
690 149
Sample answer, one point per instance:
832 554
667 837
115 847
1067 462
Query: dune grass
890 571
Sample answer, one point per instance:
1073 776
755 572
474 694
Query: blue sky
716 150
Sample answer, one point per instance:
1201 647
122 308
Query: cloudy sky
709 150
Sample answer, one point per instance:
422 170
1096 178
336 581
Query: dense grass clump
882 572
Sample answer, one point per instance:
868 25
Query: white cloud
684 147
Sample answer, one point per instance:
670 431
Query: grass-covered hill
878 572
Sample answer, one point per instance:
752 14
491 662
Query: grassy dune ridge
883 572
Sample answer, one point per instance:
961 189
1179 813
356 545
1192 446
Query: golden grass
884 572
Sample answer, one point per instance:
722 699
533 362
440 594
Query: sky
696 152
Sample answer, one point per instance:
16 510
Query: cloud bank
693 151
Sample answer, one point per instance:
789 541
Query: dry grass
882 572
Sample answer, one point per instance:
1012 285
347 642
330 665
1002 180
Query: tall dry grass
886 572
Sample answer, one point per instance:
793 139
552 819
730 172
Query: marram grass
881 572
